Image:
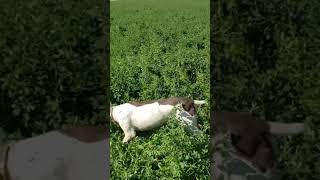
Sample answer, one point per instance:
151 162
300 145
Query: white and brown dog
147 115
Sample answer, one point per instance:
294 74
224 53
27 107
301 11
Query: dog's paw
125 141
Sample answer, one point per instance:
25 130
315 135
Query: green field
160 49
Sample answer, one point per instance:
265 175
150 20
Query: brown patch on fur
187 103
86 134
264 156
249 135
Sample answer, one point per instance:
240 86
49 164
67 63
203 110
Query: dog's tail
277 128
199 102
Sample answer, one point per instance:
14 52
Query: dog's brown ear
246 144
260 152
186 106
189 107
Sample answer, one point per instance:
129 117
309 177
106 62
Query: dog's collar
4 153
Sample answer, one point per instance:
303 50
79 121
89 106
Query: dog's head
188 105
249 136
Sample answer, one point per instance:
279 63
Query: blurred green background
266 61
52 65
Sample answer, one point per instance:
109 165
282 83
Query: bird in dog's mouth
188 120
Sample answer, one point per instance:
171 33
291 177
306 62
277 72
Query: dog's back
149 116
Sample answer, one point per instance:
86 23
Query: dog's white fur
142 118
285 129
55 156
131 118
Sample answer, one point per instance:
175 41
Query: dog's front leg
128 130
128 136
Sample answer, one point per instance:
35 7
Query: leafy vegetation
160 49
266 62
52 65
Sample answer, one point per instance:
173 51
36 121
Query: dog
147 115
251 137
69 154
